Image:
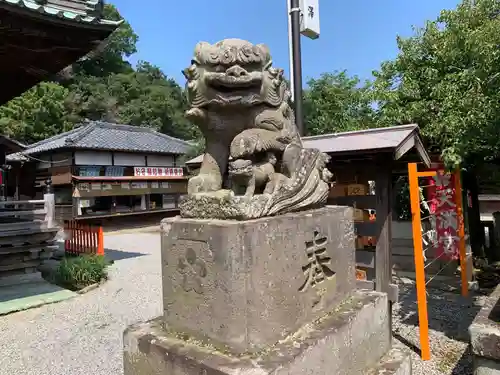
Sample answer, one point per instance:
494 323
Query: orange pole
461 233
418 252
100 242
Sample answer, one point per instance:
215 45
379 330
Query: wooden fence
29 215
27 235
83 238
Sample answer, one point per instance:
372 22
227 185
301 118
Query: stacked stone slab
265 296
485 337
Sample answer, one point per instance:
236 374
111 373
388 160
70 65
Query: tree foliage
41 111
446 78
336 102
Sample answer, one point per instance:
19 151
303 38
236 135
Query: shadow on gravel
448 312
464 364
115 255
407 343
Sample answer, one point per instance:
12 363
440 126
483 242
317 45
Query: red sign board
444 218
158 171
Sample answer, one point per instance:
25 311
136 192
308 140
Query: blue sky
356 35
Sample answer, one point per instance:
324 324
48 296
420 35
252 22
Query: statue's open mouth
226 84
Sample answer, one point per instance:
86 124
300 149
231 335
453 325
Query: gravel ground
84 335
449 318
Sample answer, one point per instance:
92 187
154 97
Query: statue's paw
242 147
203 183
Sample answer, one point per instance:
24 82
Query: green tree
143 97
446 78
39 113
336 102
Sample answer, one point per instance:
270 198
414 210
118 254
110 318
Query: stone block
484 335
397 361
350 340
484 331
485 366
245 285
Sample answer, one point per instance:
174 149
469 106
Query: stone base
225 205
350 340
485 337
485 366
396 362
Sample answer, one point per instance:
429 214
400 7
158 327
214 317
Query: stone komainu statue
254 163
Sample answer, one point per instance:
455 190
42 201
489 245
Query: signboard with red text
158 171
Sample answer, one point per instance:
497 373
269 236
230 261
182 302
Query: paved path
84 335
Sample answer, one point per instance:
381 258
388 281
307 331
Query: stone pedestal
485 337
265 296
245 285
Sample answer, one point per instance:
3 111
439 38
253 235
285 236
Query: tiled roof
85 11
97 135
390 139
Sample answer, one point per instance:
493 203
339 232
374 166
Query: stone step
396 362
349 340
49 266
21 279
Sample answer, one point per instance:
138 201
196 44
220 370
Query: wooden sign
356 189
360 274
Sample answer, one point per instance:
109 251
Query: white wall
160 161
59 159
62 159
131 160
93 158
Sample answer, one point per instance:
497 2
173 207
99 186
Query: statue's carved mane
230 52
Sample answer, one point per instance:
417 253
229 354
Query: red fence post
66 235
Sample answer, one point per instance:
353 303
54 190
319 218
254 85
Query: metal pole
290 48
297 65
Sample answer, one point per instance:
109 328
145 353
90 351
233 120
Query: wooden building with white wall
100 170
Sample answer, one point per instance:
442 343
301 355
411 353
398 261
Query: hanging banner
444 220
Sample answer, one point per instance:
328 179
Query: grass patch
78 272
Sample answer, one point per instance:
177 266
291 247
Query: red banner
443 209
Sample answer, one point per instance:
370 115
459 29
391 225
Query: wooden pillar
383 260
383 249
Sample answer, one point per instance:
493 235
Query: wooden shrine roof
81 11
397 140
42 37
